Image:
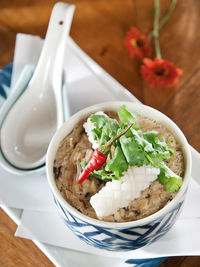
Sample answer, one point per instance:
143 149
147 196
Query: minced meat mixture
75 147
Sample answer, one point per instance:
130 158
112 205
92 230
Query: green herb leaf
118 163
172 151
169 179
105 128
160 152
125 116
101 174
158 145
133 151
173 184
155 159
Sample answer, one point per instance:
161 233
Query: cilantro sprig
169 179
135 148
105 128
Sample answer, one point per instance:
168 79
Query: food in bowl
141 172
117 235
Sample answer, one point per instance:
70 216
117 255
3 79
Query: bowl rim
138 107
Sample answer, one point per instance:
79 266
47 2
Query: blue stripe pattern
5 79
146 262
123 239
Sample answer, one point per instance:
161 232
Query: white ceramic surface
159 216
32 121
20 86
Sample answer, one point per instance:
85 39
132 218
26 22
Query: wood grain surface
99 27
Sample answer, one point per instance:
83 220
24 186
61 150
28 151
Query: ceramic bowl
127 235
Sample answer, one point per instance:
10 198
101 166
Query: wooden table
99 27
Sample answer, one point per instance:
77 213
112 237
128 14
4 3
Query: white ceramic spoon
34 118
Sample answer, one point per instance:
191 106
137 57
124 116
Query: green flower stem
169 12
156 28
166 17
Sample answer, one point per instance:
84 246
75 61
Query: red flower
160 72
137 44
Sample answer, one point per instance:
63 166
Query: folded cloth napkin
33 195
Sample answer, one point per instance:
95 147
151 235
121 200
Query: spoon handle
50 63
49 70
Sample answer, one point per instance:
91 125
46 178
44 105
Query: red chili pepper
99 157
95 162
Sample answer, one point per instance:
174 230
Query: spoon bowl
38 112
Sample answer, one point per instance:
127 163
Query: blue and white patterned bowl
127 235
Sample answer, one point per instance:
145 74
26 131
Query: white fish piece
89 126
118 194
